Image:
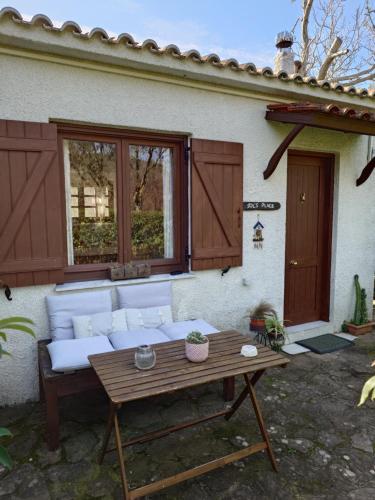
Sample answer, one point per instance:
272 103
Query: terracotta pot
359 329
196 352
257 325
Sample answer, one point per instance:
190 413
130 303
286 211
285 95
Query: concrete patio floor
324 444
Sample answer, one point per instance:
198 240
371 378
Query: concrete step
308 331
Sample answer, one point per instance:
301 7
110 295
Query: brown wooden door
308 237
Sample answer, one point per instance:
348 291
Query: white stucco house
148 154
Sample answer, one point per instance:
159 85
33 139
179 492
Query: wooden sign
261 205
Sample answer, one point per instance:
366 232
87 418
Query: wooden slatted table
123 382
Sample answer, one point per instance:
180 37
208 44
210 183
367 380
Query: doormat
325 343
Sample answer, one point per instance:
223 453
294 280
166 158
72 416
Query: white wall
41 91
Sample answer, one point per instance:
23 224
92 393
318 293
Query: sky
243 29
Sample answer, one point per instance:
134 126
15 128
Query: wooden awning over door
329 117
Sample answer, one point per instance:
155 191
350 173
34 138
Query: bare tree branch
307 6
354 76
336 43
366 78
332 54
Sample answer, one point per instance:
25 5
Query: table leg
108 433
125 489
260 420
241 398
229 388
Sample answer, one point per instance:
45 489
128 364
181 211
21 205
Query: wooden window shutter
216 204
31 208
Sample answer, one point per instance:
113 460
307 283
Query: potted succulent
275 332
259 314
196 347
360 324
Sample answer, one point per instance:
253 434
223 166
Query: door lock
293 262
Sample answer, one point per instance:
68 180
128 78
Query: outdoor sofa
82 324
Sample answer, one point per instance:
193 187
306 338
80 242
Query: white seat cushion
180 329
62 308
145 295
103 323
67 355
134 338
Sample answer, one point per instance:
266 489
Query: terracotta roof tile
302 107
44 22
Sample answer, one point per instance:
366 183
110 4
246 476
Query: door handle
293 262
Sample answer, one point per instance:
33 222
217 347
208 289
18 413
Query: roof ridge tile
100 34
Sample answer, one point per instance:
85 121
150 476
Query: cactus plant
360 311
363 309
360 323
357 309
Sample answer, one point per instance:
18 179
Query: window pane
151 185
90 173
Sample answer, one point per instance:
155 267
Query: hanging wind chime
258 235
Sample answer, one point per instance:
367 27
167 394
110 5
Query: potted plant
259 314
275 332
368 390
196 347
360 324
21 324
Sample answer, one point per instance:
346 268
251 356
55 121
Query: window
126 198
90 174
151 188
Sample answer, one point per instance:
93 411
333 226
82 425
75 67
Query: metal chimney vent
284 39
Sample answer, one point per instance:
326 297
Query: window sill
83 285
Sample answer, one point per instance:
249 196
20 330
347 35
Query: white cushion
148 317
67 355
146 295
180 329
103 323
62 308
134 338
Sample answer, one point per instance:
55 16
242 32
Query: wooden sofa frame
55 385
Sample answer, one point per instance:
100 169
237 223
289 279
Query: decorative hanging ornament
258 235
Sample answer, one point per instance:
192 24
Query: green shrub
147 234
97 241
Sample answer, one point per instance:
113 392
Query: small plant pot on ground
196 347
276 340
359 329
275 333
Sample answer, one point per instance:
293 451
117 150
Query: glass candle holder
145 357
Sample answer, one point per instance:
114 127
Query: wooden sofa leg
42 397
228 388
52 407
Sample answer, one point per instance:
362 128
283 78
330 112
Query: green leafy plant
368 390
344 327
276 332
5 459
196 338
15 323
21 324
360 311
